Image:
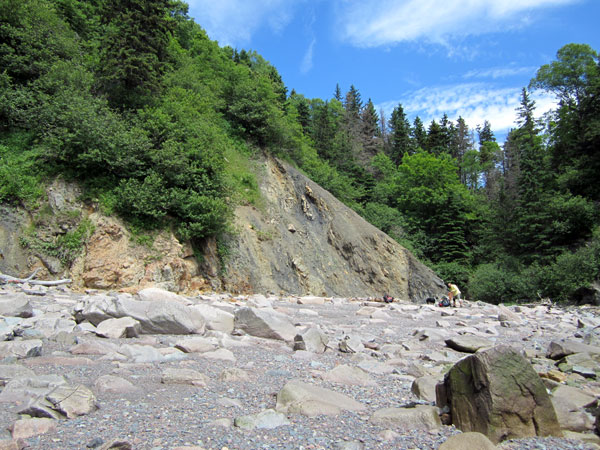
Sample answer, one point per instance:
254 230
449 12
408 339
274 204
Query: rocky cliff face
304 241
300 241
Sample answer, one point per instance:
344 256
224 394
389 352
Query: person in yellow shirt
454 294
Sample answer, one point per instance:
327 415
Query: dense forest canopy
158 123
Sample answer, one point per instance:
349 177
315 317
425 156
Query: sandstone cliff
301 240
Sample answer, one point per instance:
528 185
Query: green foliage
19 175
66 247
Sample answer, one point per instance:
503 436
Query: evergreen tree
370 132
337 93
400 138
134 50
419 134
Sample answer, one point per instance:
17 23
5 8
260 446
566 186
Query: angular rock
233 374
11 444
196 345
155 317
216 319
468 344
469 440
124 327
222 354
560 349
351 344
184 376
348 375
311 300
421 417
267 419
115 385
424 388
312 340
26 428
93 348
297 397
16 305
154 294
496 392
22 388
148 353
264 323
569 403
21 349
72 401
10 371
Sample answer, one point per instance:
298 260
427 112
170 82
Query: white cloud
233 22
474 102
307 61
500 72
371 23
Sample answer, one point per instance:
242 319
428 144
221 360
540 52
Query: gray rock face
496 392
264 323
330 252
21 349
125 327
312 340
155 317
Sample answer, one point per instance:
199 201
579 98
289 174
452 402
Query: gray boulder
570 403
16 305
265 323
155 317
498 393
267 419
312 340
21 349
124 327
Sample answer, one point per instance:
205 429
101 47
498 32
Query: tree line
133 100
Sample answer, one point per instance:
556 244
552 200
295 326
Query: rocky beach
160 371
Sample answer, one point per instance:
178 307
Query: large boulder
155 317
15 305
265 323
498 393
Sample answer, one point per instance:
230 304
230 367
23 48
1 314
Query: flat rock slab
115 385
468 344
267 419
421 417
560 349
184 376
72 401
21 349
298 397
26 428
348 375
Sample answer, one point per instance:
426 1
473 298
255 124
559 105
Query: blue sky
466 58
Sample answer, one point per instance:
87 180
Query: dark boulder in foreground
498 393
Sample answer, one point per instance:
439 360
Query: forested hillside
159 124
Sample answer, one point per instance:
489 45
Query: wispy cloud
371 23
500 72
307 61
233 22
474 102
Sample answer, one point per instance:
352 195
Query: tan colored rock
421 417
469 440
26 428
348 375
21 349
184 376
115 385
298 397
72 401
569 403
196 344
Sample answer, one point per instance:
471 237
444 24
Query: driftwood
30 280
